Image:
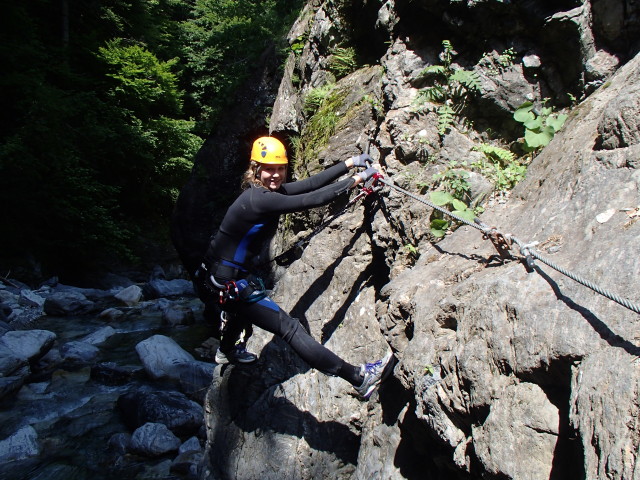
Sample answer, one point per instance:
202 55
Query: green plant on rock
298 43
541 127
314 98
321 126
411 250
375 103
439 225
501 166
507 58
451 90
454 180
342 61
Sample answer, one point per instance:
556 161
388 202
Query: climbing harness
248 290
503 242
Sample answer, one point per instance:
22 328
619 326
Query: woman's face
272 176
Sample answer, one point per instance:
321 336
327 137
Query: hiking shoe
238 354
373 374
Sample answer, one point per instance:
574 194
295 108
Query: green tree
222 39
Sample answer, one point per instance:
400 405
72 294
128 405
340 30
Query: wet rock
111 314
109 373
68 303
161 356
120 443
22 444
10 361
99 336
79 352
173 314
173 409
10 385
129 296
29 344
167 288
153 440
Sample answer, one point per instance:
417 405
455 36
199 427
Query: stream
75 415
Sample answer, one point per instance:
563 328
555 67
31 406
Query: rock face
503 371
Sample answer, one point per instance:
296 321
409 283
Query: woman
248 225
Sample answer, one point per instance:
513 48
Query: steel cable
525 249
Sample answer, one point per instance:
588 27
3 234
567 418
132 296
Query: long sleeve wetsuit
249 223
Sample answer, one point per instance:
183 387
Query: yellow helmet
269 150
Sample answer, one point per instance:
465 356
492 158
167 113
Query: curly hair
251 176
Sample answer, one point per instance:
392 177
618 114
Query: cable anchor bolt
500 241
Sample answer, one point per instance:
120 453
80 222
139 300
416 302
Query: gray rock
11 385
519 436
67 303
167 288
19 446
30 298
153 440
29 345
130 295
120 443
111 314
79 352
173 409
174 315
99 336
161 356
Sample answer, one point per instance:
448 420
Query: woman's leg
267 315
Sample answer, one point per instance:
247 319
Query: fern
452 88
435 94
433 70
446 117
468 78
504 156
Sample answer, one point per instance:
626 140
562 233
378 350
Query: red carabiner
371 184
230 292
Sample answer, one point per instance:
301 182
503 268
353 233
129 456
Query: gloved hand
363 160
367 174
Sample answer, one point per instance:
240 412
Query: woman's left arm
318 180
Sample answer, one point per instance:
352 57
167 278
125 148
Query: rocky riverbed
102 383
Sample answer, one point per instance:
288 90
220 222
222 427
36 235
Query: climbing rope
503 242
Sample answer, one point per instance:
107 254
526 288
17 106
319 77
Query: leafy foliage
454 180
321 125
501 166
441 198
100 121
342 61
541 127
314 98
222 39
451 90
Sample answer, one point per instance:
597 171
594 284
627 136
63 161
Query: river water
74 415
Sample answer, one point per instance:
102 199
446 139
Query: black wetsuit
249 223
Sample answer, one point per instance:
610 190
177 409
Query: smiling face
272 176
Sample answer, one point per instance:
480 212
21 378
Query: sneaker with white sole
238 354
373 374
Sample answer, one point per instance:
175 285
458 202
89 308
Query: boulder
173 409
153 440
19 446
161 356
68 303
